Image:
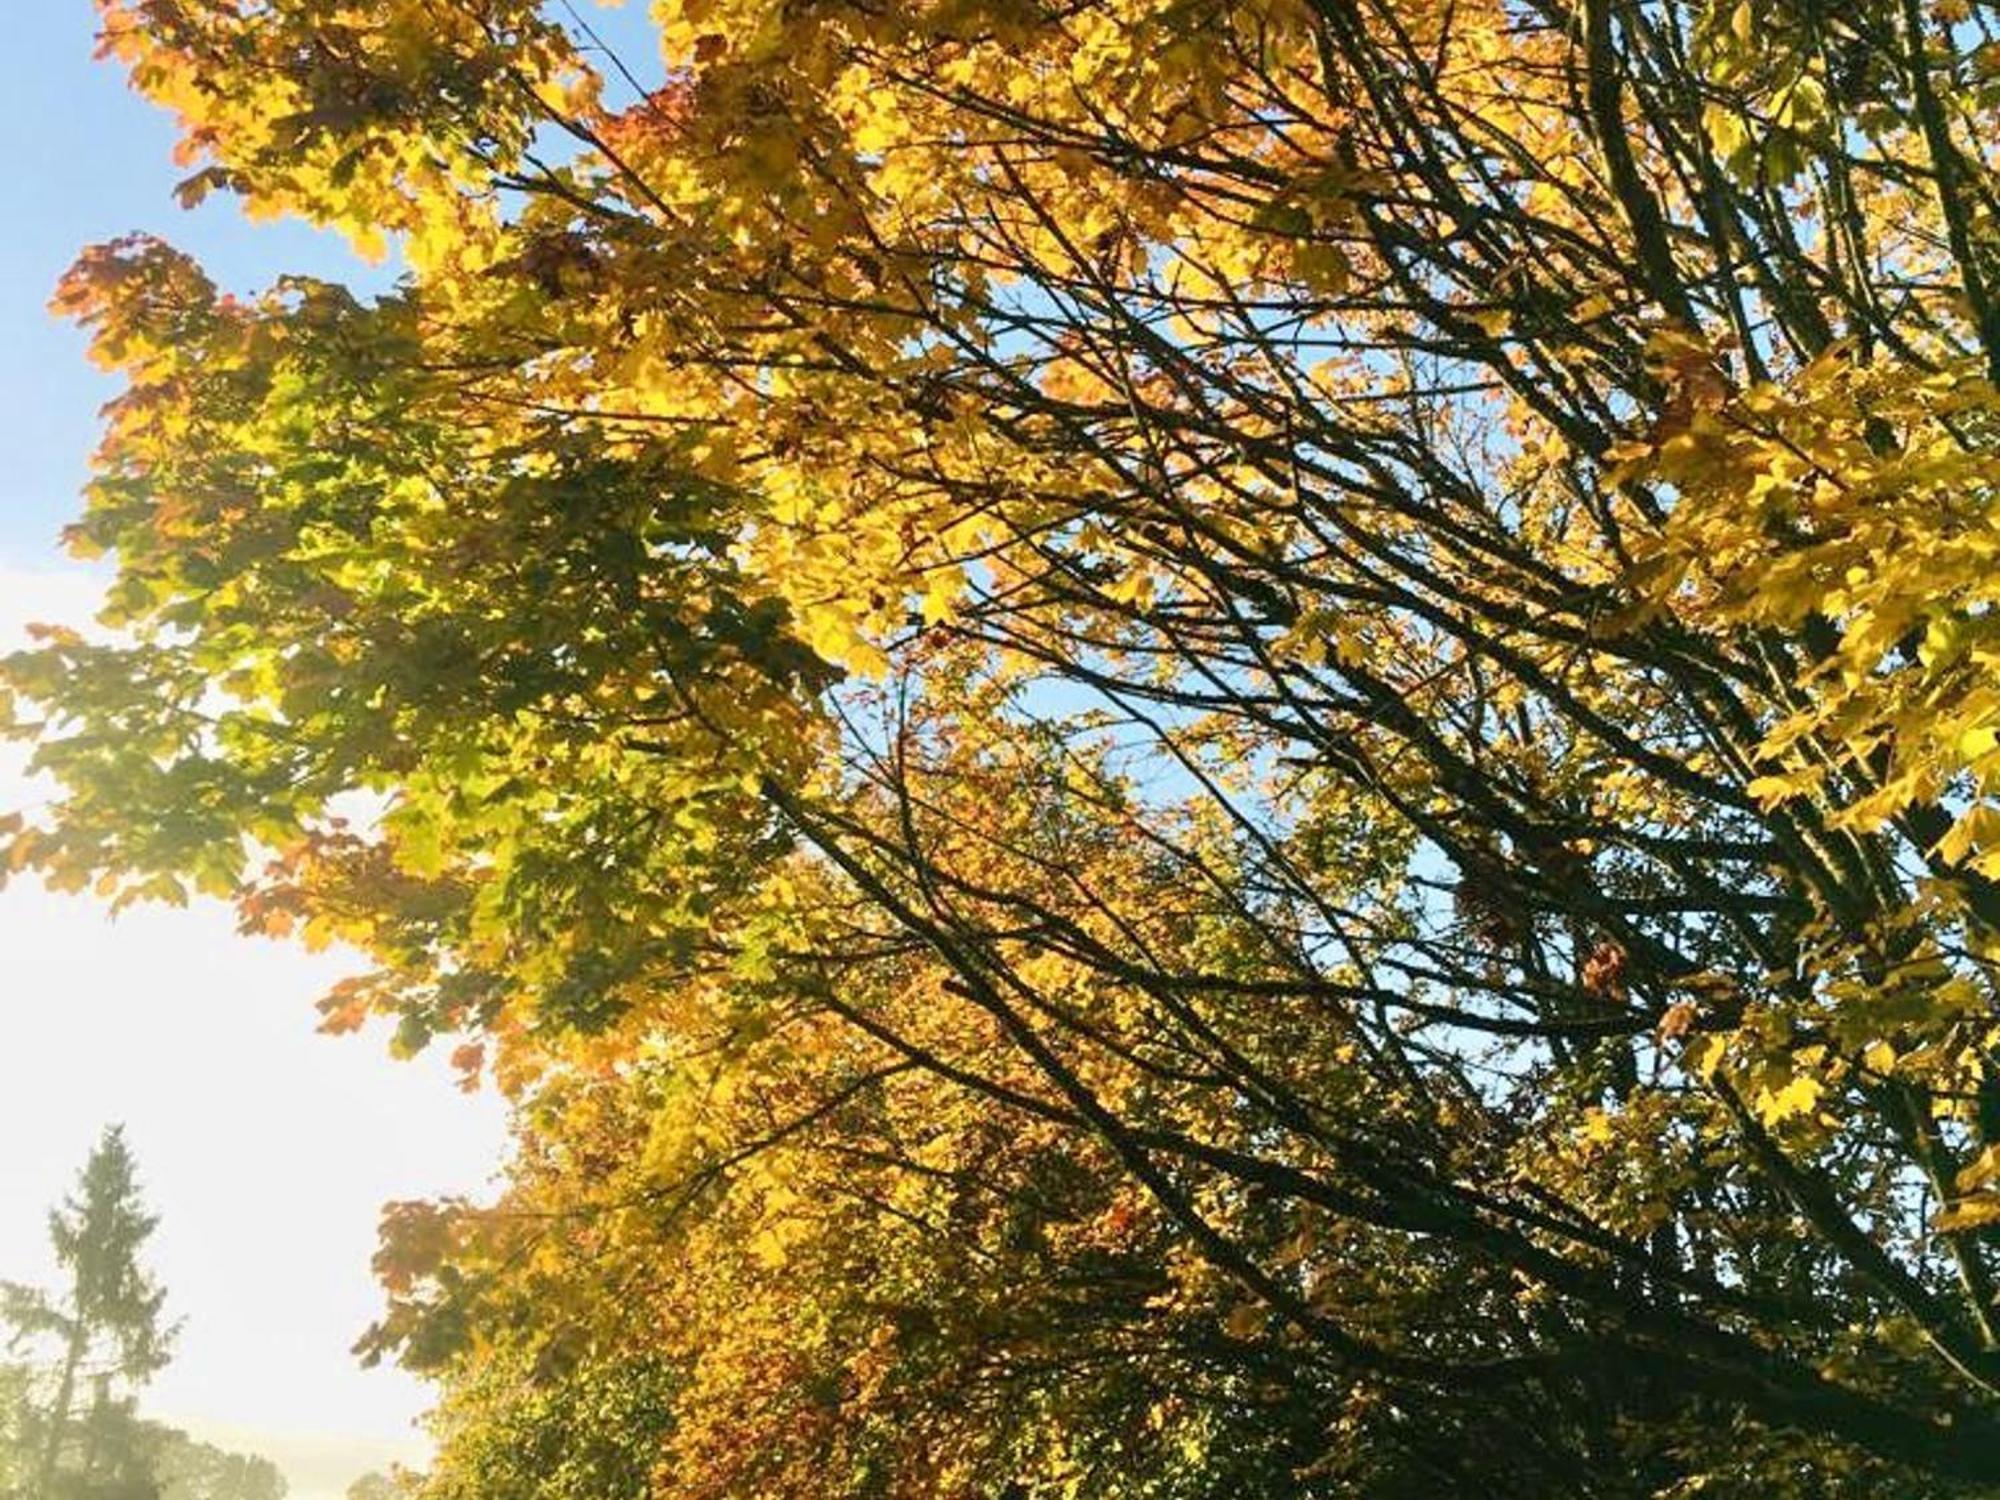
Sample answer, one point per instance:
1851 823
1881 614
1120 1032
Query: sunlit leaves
1158 740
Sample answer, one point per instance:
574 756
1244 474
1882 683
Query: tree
15 1425
102 1333
189 1469
1304 688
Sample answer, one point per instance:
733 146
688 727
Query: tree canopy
1172 747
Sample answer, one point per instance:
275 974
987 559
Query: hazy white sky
266 1148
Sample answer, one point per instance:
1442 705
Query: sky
266 1149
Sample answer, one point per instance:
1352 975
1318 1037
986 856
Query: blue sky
266 1148
89 160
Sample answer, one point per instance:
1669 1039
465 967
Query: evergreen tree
103 1335
14 1386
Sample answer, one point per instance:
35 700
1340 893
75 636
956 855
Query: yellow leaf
1977 742
1969 1213
1981 1170
1796 1098
941 593
1708 1056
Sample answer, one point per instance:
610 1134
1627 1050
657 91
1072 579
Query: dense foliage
1173 747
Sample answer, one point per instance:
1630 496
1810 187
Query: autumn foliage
1173 748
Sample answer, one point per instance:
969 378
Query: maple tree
1173 747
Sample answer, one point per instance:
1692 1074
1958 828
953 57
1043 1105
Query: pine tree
103 1333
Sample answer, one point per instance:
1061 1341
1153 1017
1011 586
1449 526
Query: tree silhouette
103 1331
